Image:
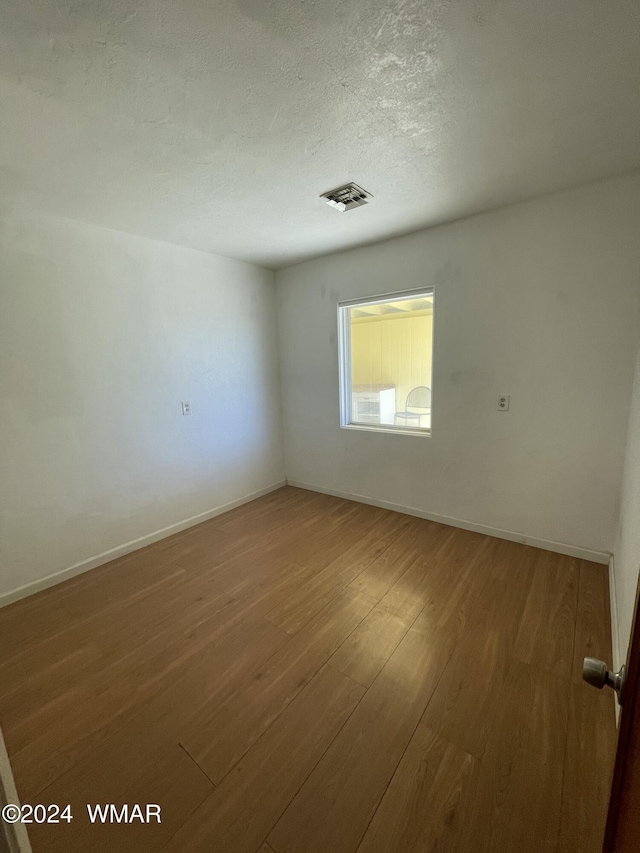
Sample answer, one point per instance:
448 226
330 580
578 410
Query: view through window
385 361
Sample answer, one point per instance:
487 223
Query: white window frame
344 361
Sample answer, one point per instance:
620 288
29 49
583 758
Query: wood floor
309 675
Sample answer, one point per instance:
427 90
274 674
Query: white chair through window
418 398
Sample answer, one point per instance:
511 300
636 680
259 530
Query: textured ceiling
218 124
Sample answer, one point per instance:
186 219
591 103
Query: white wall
540 301
626 554
102 335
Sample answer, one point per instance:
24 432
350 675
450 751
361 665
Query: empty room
319 426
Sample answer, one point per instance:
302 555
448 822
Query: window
385 362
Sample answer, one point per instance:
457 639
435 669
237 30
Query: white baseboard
616 657
615 631
128 547
546 544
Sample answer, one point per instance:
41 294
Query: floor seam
192 759
282 710
341 589
320 757
398 763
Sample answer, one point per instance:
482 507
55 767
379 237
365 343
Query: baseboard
616 657
511 536
128 547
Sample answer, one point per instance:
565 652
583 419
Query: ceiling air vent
347 197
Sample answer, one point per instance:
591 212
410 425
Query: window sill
388 429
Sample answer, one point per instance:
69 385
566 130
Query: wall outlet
503 402
186 407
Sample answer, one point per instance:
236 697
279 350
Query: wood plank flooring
306 674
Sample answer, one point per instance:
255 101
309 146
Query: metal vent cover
347 197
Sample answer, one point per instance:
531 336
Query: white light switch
186 407
503 402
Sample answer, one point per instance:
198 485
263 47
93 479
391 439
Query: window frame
344 360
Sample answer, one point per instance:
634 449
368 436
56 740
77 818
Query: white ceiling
218 124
